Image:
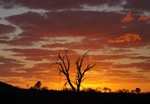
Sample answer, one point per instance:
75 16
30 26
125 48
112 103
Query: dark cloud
37 71
55 4
84 44
102 66
108 57
7 65
75 23
66 22
89 24
38 54
6 29
114 57
141 65
140 57
34 54
137 5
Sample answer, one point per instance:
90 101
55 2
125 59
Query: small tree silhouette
64 67
37 85
138 90
123 91
107 90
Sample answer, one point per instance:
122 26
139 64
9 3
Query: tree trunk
69 81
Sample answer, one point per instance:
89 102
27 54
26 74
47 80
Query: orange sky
34 32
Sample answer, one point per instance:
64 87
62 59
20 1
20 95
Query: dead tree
64 68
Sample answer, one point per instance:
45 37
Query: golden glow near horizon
32 35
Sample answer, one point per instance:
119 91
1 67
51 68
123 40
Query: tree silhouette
106 89
37 85
137 90
64 68
123 91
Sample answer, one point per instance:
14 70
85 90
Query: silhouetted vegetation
37 85
13 95
137 90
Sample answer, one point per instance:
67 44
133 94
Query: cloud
36 27
141 65
144 18
34 54
125 38
6 29
85 44
140 57
119 76
118 73
137 5
128 18
55 4
100 8
7 65
108 57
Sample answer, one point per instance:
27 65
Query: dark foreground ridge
14 95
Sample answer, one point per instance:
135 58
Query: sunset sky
34 32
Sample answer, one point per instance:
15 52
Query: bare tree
64 68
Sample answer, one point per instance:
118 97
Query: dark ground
13 95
